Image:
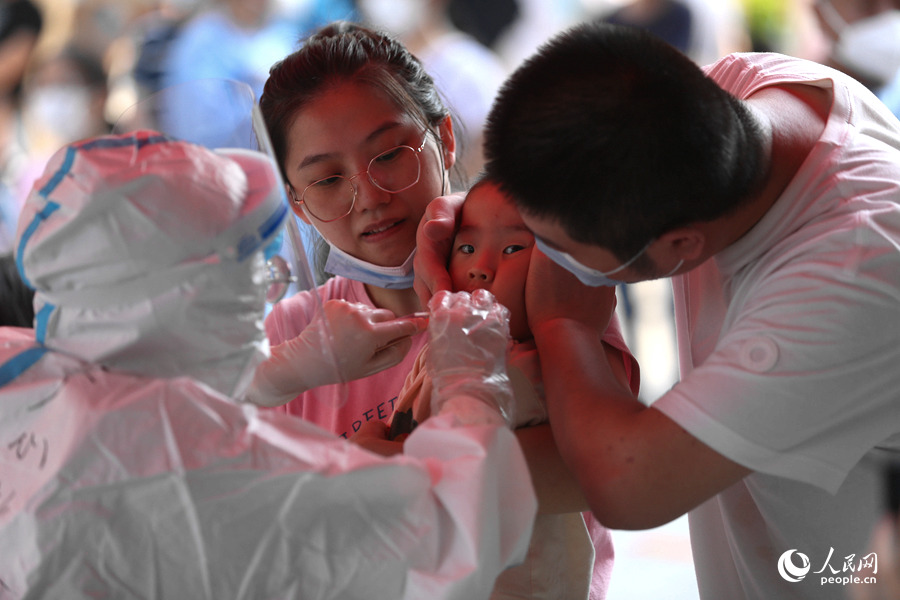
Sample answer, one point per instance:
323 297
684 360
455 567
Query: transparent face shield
222 115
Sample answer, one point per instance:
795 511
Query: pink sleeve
613 337
290 317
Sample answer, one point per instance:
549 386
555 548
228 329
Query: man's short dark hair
620 137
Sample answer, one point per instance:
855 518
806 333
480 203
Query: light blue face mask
341 263
393 278
586 275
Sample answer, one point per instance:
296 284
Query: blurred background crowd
69 68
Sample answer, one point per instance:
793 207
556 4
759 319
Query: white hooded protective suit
126 471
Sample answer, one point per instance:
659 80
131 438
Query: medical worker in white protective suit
126 470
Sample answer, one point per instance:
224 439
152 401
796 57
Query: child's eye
466 249
513 249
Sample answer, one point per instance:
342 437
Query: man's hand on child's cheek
434 238
373 437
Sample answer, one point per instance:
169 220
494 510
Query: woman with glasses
364 143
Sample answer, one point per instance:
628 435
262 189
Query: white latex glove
468 343
364 341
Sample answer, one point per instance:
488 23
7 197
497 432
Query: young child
492 250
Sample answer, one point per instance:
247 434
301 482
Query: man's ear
685 243
296 206
448 141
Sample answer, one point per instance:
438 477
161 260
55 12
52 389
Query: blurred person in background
21 23
720 28
466 72
256 27
890 94
173 42
64 100
885 544
92 26
865 43
227 39
20 26
485 20
230 39
136 59
671 20
16 309
705 30
234 39
151 35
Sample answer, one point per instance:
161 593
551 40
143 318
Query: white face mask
393 278
586 275
341 263
398 17
870 46
592 277
62 110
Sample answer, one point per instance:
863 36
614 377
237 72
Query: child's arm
555 485
556 488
